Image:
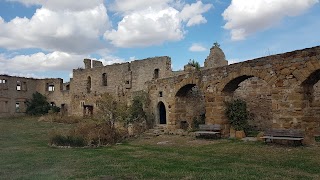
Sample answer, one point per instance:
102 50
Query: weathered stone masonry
290 89
282 91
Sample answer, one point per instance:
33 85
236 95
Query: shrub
198 120
38 105
194 64
237 114
136 112
72 141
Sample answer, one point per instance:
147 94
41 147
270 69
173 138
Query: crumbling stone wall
216 58
17 90
288 76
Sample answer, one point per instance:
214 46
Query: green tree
111 112
194 63
38 105
137 114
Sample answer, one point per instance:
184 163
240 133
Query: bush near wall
237 114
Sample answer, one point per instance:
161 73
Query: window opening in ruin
68 87
127 82
52 104
17 107
87 110
104 79
18 86
88 84
162 113
160 94
2 81
156 74
50 87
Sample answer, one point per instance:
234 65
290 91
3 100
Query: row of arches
286 103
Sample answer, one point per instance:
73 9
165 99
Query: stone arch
249 85
191 81
189 105
162 113
243 74
311 104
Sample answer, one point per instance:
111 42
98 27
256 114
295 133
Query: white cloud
30 65
197 48
152 22
192 13
40 62
129 6
147 27
67 31
245 17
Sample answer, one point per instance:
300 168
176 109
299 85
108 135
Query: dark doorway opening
162 113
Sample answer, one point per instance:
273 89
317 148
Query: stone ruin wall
17 90
281 81
122 80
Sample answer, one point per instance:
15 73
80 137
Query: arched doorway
257 95
311 104
189 107
162 113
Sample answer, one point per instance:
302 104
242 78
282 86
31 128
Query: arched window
89 84
104 79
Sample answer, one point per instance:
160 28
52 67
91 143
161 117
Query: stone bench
294 135
211 130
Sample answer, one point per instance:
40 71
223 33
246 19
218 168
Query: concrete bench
294 135
211 130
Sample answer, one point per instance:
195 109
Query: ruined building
282 91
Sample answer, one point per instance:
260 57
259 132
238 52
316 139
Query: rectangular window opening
156 74
17 107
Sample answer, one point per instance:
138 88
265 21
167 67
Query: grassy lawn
24 154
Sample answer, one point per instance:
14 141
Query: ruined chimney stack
87 63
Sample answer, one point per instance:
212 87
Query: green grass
25 154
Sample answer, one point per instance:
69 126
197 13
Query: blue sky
49 38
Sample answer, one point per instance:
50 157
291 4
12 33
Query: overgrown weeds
93 134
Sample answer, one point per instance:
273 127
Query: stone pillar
87 63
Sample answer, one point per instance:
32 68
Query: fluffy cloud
40 62
192 13
128 6
197 48
153 22
30 65
245 17
67 31
147 27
